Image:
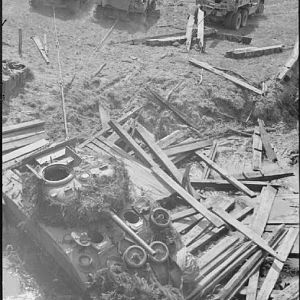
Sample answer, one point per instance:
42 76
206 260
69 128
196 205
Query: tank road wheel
236 20
245 14
228 19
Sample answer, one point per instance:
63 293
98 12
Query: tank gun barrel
130 232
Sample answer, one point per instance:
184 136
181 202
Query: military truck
72 6
234 13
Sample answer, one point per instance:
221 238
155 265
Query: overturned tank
110 243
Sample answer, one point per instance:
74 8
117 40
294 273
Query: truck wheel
245 14
228 19
236 20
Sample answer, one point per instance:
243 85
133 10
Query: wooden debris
266 142
266 199
234 38
104 116
254 51
171 138
187 197
186 183
217 231
239 132
20 41
250 266
188 147
291 292
200 29
212 156
99 70
223 173
286 70
256 150
219 184
189 31
40 47
21 126
254 237
273 274
179 114
158 153
183 214
235 80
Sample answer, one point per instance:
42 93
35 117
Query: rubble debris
266 142
174 150
211 156
200 29
41 48
273 274
285 72
104 116
239 185
254 51
237 81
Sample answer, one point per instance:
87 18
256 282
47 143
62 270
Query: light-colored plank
189 31
158 153
188 147
200 28
21 136
256 150
266 142
171 138
224 174
291 292
22 126
212 156
235 80
254 237
104 116
273 274
266 200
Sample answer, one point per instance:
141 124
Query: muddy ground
129 68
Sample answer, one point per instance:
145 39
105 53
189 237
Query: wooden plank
166 41
188 147
249 267
286 69
24 150
220 184
22 126
266 200
104 116
200 28
223 173
217 231
212 156
290 219
121 121
266 142
273 274
171 138
291 292
264 175
235 80
249 233
22 136
256 150
189 31
187 197
141 154
183 118
23 142
254 51
158 153
233 38
183 214
46 158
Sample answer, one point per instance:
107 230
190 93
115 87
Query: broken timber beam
40 47
273 274
223 173
212 156
189 31
158 153
171 138
254 51
188 147
254 237
286 70
233 38
266 142
266 200
256 150
263 176
220 184
187 197
185 119
233 79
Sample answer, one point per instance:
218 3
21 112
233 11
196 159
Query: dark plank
212 156
256 150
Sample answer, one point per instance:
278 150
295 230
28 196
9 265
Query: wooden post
20 42
46 45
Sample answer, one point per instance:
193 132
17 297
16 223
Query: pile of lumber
238 238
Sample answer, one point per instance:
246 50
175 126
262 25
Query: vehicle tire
236 20
228 18
245 14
